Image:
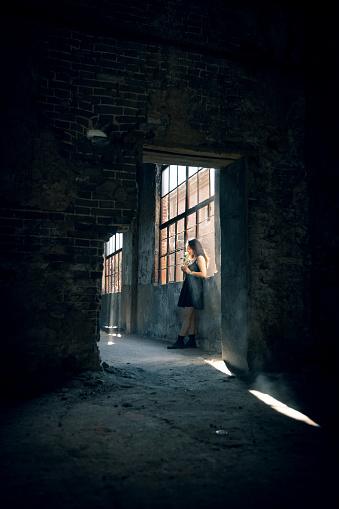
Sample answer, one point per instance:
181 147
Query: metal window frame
184 215
113 274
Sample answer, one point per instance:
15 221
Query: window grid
192 203
112 277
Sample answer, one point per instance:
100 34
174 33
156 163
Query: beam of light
110 343
282 408
220 366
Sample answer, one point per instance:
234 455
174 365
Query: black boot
178 344
191 342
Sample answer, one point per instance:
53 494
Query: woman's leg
191 330
191 333
186 324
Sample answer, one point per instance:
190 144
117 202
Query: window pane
181 242
164 209
191 233
112 272
115 272
206 223
109 247
114 243
171 268
173 208
181 174
110 275
193 191
171 229
106 276
120 270
181 198
163 241
191 226
165 182
181 225
171 244
203 214
173 177
212 177
192 170
204 185
163 270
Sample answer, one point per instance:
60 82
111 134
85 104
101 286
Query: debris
116 371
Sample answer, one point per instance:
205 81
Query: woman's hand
184 268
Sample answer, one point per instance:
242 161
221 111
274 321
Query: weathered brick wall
218 78
55 216
56 212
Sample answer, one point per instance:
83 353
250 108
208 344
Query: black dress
192 289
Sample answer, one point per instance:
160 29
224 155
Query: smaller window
111 279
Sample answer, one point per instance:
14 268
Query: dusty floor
143 433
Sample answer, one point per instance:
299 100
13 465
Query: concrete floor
162 428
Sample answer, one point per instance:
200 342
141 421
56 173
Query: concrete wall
231 199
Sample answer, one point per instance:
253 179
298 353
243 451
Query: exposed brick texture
212 77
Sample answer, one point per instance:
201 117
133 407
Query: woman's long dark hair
198 250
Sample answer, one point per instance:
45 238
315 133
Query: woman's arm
202 266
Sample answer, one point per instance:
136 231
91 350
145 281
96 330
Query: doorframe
232 262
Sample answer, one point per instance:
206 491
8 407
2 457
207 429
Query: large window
187 212
111 281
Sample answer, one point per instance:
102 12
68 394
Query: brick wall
212 78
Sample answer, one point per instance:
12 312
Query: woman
191 295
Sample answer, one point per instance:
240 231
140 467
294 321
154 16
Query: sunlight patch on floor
220 366
110 341
282 408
